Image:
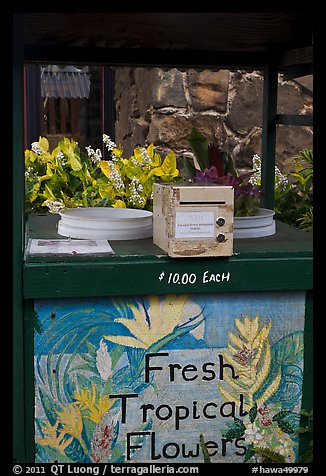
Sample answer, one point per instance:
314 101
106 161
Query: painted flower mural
81 420
140 378
264 374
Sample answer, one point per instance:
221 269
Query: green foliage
212 165
203 447
294 202
236 429
284 425
306 220
67 178
306 430
199 145
270 455
253 413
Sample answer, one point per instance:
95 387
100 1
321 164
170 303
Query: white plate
264 217
106 223
256 232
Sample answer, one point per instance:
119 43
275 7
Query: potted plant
64 179
214 166
67 178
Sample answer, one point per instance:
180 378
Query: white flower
54 206
281 180
60 157
255 179
37 149
30 172
95 155
108 142
115 177
137 189
144 161
285 448
103 361
253 434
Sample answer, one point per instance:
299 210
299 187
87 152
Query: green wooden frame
19 336
32 280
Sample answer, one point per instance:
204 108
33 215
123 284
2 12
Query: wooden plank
287 242
166 276
297 56
280 261
297 71
145 57
52 116
74 113
198 31
63 116
294 119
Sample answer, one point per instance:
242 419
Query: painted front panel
169 378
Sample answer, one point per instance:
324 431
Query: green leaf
204 449
108 386
116 353
253 413
76 453
35 191
91 348
44 143
189 170
177 332
48 193
199 145
37 323
307 456
307 413
229 165
248 454
74 162
236 430
103 202
284 425
270 454
303 429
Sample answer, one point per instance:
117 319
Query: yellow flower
249 353
102 406
72 423
96 407
53 437
150 326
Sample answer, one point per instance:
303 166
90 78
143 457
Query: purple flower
207 175
218 167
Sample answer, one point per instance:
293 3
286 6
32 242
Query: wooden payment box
193 220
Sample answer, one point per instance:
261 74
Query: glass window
68 101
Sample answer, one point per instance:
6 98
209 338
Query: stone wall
162 106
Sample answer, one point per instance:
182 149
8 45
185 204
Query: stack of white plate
101 223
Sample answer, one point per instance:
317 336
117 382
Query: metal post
108 110
269 134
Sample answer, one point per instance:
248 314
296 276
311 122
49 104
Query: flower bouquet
214 166
67 178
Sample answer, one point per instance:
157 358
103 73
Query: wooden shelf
279 262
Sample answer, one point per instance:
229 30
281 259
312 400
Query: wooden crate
193 220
